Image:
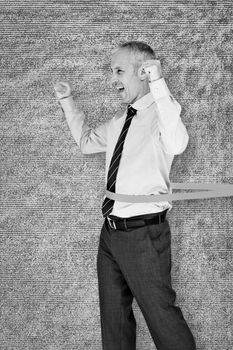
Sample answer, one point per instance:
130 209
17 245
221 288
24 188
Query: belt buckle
112 223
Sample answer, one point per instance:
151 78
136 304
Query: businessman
134 255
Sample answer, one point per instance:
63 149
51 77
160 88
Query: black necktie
115 161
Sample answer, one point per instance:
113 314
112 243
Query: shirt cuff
159 89
67 104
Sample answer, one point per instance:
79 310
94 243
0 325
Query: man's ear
142 73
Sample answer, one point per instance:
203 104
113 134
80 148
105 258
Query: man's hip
124 224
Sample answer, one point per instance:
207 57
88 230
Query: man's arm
89 140
173 134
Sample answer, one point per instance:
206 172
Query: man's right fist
62 89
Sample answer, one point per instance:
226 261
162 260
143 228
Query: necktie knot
131 111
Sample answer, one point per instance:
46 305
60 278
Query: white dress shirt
155 135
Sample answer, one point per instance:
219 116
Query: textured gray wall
51 193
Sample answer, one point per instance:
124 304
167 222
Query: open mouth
120 89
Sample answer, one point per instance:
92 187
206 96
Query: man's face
124 78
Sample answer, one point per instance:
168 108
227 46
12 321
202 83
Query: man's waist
119 223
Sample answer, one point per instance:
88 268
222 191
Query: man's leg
144 257
118 324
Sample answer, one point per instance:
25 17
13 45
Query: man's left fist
152 69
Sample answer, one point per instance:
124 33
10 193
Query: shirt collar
141 104
144 102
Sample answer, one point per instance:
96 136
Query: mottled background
51 193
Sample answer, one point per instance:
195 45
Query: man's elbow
87 147
84 147
178 147
181 146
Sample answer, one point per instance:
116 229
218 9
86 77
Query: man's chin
124 104
124 100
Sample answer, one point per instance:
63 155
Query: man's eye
119 71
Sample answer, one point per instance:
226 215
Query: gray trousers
137 264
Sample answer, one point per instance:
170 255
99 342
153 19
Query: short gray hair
140 50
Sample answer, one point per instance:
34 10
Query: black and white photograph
116 175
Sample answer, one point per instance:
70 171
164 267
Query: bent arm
173 134
89 140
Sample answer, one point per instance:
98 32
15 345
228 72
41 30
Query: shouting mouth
120 89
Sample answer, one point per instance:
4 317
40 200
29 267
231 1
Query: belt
134 222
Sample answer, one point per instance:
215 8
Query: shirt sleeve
94 140
89 140
173 134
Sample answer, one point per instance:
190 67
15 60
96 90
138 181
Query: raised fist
153 69
62 89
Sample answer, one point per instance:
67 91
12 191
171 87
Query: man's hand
62 89
153 69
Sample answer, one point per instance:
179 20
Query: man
134 257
